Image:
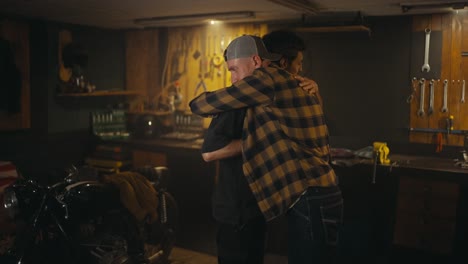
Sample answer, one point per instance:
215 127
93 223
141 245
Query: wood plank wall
208 69
143 71
193 59
454 68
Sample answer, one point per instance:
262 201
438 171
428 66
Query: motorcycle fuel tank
88 198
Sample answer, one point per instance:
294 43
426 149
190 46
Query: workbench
413 202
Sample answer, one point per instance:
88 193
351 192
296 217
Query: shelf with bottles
109 124
149 112
103 93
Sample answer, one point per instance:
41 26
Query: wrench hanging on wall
445 106
426 67
462 100
413 92
422 82
431 97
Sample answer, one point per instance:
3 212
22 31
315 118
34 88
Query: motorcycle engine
10 202
21 198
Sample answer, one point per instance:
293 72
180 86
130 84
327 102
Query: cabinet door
426 214
148 158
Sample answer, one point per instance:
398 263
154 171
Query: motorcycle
76 221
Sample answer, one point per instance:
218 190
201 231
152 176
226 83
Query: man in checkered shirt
285 148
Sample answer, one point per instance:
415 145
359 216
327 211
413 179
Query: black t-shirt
233 202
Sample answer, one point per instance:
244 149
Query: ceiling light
457 6
304 6
405 7
193 19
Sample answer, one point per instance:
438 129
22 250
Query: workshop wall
59 132
363 79
191 62
14 74
454 69
194 59
366 79
105 69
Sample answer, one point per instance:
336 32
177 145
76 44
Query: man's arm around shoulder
231 150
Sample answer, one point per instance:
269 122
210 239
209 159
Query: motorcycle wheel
115 240
160 236
121 241
108 249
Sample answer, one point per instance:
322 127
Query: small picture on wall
14 76
10 101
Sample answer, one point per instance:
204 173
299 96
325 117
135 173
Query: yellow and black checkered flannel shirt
285 138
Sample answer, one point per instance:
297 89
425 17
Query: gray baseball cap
246 46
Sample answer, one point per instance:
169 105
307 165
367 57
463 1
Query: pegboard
447 64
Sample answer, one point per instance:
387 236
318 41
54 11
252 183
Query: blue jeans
313 226
244 245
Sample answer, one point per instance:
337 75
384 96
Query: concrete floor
185 256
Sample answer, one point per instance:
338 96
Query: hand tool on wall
209 59
421 100
439 142
445 107
201 84
449 127
174 66
426 67
413 92
462 100
217 60
449 122
201 66
439 131
431 97
203 63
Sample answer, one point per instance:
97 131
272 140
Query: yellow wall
196 54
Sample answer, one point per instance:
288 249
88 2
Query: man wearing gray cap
285 148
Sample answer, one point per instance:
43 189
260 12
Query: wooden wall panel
463 110
454 29
420 23
195 54
415 120
194 59
455 76
439 119
143 70
464 45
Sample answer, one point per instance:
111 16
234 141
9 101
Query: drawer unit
426 214
142 158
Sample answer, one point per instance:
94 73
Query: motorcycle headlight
10 202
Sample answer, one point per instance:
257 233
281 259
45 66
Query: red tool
439 142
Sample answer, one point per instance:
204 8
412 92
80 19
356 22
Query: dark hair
284 42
